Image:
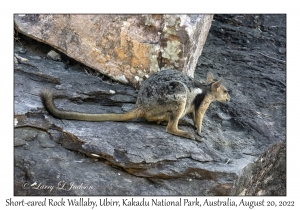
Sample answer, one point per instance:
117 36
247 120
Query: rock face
249 51
140 158
43 144
127 48
266 176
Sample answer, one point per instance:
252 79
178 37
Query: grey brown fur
167 95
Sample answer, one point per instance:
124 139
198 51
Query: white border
153 6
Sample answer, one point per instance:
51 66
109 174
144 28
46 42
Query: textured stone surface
249 51
266 176
136 147
127 48
140 158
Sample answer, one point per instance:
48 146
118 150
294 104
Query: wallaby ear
209 77
216 85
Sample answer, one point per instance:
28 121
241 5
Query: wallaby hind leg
172 126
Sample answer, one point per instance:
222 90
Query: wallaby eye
226 91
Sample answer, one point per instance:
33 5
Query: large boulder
127 48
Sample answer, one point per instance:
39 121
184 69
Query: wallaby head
218 90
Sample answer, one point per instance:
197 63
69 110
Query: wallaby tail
47 99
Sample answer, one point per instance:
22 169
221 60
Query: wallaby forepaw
199 133
198 138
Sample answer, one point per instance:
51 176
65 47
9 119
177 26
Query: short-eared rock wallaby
167 95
